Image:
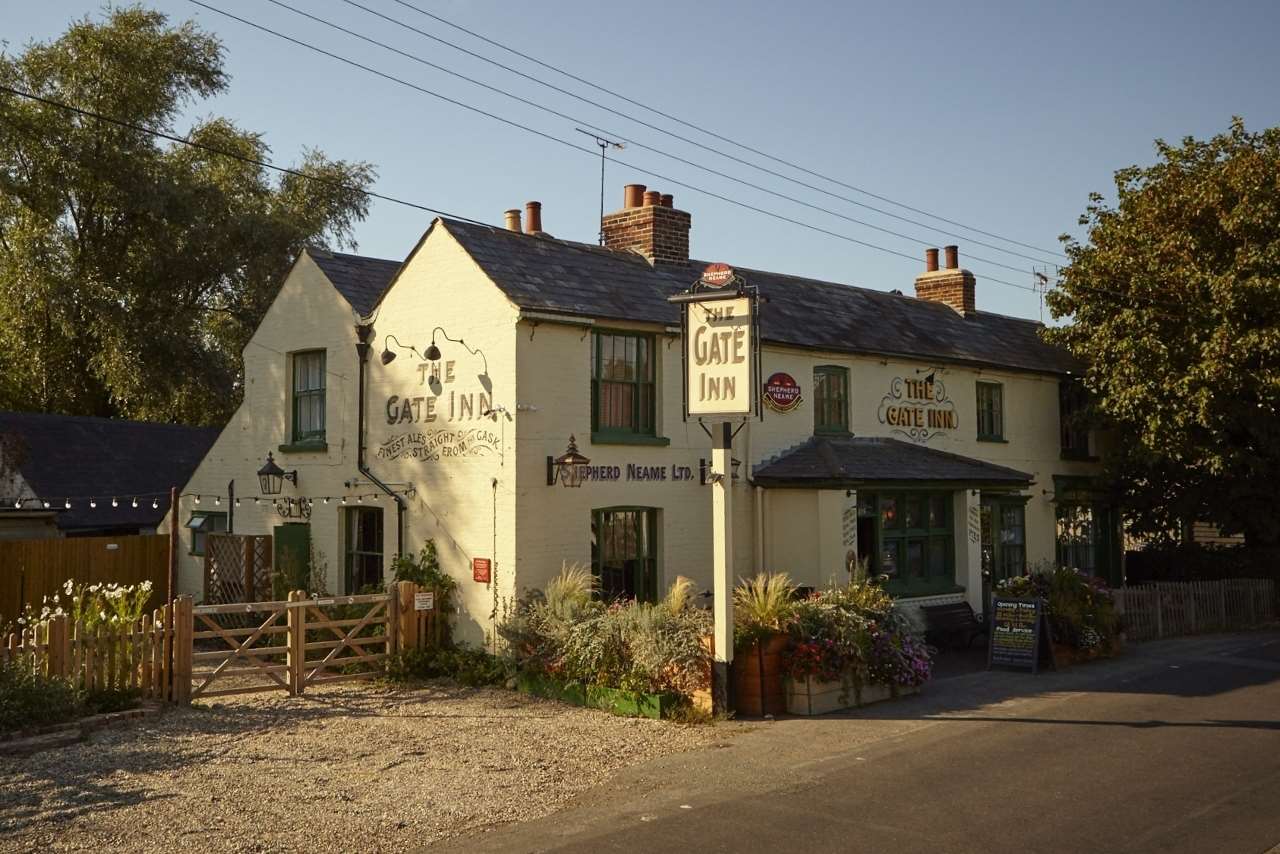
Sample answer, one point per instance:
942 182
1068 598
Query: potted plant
762 613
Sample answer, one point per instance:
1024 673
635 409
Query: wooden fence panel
1169 609
30 570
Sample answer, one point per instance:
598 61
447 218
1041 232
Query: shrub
27 699
425 571
467 666
566 633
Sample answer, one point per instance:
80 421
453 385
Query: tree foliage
1174 304
133 271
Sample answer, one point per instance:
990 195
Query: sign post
721 385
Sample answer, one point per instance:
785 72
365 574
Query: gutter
364 332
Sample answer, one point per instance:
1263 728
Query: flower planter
634 704
811 696
757 678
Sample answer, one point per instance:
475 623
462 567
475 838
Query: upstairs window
623 386
831 400
990 412
308 396
1072 400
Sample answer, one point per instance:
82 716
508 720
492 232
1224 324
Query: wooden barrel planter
757 678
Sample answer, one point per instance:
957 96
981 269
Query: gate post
296 657
183 629
408 616
393 619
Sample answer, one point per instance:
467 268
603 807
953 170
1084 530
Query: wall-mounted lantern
567 468
271 477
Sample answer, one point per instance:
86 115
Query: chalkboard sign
1019 634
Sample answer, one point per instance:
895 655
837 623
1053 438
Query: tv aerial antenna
604 144
1042 278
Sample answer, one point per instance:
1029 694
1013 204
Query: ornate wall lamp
271 477
567 468
706 475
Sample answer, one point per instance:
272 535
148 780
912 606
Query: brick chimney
650 226
951 285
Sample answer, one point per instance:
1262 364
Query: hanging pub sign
721 352
781 392
1019 634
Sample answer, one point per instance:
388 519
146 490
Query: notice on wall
481 570
425 601
720 357
1018 635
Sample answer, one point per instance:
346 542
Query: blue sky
1002 116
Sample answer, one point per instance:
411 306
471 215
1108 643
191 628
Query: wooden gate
237 568
332 637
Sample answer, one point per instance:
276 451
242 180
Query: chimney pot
953 256
533 217
931 260
652 198
513 219
633 196
667 201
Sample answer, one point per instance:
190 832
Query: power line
417 206
609 133
711 193
710 133
639 145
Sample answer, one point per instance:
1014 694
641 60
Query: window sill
1079 457
832 434
1000 440
308 447
628 439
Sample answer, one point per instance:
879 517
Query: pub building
454 396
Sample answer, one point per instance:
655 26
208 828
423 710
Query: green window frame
1004 536
624 394
364 558
202 524
624 552
1072 401
308 402
831 400
990 412
915 536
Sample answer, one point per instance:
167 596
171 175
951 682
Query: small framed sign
481 569
424 601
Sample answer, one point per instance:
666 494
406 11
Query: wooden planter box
757 678
810 696
634 704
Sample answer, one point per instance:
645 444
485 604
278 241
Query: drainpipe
364 332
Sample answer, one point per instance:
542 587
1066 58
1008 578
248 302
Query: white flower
69 586
146 585
102 614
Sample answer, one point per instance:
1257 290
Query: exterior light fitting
115 502
389 355
93 503
568 467
433 352
271 477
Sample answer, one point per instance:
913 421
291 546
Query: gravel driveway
347 768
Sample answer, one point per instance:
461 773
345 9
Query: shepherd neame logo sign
918 409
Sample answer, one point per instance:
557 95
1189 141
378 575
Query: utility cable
710 133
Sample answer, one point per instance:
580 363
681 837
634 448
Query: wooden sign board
425 601
1019 634
720 358
481 569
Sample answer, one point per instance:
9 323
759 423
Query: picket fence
1168 609
159 656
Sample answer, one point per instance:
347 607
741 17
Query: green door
292 557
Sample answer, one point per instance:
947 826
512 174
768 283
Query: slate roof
846 462
64 456
359 279
540 273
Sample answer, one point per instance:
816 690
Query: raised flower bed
813 696
635 704
1083 621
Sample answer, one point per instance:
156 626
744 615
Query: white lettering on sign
719 357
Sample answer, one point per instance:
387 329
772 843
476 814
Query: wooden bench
952 621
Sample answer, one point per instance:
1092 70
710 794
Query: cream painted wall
307 314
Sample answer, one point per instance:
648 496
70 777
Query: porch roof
848 462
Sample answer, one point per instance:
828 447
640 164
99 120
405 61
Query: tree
1174 305
133 271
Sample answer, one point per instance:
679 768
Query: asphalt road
1173 748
